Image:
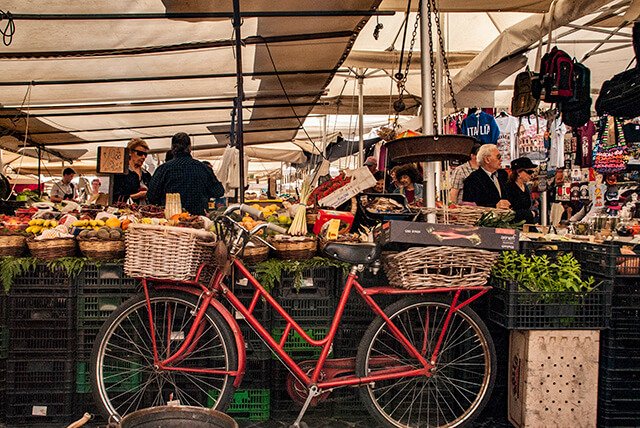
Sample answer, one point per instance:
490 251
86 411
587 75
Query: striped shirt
458 176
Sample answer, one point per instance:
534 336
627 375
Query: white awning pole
360 77
427 101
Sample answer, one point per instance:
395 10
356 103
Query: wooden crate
553 378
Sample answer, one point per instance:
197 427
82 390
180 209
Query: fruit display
104 233
13 224
38 226
88 224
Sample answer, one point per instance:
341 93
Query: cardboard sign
430 234
362 179
112 160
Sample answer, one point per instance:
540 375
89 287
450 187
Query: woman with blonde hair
134 183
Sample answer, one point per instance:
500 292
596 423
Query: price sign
112 160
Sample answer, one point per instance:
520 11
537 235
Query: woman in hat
522 171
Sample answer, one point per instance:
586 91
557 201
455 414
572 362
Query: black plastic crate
34 309
255 347
106 278
623 406
347 404
626 341
39 374
84 403
43 280
606 260
258 374
619 359
551 249
86 337
98 307
43 340
367 278
32 408
315 283
347 340
312 312
608 419
284 408
527 310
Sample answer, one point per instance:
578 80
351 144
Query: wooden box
553 378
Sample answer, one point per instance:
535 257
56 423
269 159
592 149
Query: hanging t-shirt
482 127
584 149
557 131
508 126
531 138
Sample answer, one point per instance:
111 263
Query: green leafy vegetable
499 219
12 267
72 266
270 271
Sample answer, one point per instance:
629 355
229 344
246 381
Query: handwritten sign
112 160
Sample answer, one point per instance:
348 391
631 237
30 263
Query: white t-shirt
557 131
507 141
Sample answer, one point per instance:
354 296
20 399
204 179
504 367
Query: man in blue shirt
193 180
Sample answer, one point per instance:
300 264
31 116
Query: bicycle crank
331 370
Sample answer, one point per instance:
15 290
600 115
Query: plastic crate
284 408
119 382
551 249
106 278
525 310
98 307
258 374
315 311
4 342
254 346
32 408
84 403
43 280
317 282
367 278
47 373
347 340
44 340
247 404
619 358
87 334
296 346
612 419
347 404
43 310
606 260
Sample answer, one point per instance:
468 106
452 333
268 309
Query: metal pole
360 77
439 103
427 100
237 23
39 171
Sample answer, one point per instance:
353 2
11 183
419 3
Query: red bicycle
426 360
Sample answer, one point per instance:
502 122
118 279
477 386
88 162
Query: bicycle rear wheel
123 375
464 373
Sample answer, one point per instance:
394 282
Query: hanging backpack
523 102
576 111
556 76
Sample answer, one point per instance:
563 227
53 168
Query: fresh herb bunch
12 267
501 219
540 274
270 271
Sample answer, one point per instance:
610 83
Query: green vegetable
269 272
72 266
502 219
12 267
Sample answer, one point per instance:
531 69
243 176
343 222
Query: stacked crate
101 289
619 380
41 345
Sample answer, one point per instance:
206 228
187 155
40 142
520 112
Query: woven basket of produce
102 250
428 267
467 215
12 245
48 249
294 247
255 252
165 252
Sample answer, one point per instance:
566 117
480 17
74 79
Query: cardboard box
418 233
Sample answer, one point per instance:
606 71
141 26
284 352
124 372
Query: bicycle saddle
362 253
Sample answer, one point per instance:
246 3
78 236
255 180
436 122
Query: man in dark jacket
486 185
194 181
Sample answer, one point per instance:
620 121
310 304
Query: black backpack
556 76
576 111
523 102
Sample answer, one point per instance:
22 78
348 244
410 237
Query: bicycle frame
217 286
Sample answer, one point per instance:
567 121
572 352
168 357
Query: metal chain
434 106
445 61
399 104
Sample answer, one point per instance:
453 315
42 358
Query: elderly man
461 173
193 180
486 186
64 190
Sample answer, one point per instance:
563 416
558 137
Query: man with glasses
134 183
486 186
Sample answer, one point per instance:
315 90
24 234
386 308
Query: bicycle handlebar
245 209
276 228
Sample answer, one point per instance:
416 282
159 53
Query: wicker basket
467 215
255 254
295 248
48 249
165 252
12 245
102 250
427 267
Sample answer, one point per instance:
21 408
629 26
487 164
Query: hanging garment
508 126
531 138
584 149
557 131
610 151
482 127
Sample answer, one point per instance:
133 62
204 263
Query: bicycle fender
237 334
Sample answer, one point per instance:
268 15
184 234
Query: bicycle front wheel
460 383
123 375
